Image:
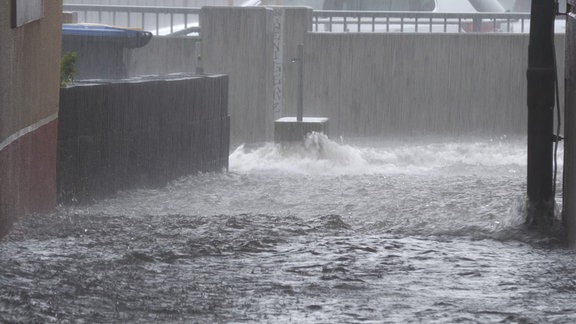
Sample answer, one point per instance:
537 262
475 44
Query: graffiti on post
278 40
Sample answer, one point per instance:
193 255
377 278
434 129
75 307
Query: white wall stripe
12 138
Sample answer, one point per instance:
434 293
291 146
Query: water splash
316 155
322 156
388 230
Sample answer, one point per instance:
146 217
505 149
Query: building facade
30 38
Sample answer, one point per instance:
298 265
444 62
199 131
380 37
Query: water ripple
387 232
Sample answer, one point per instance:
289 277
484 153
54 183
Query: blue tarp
128 38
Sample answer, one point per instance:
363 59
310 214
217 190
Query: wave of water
431 186
319 155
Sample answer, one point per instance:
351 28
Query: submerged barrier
144 132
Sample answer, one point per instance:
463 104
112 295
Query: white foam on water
322 156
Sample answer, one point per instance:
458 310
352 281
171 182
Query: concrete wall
295 23
238 42
145 132
255 47
29 86
99 58
368 84
164 55
379 84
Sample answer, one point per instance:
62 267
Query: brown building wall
29 92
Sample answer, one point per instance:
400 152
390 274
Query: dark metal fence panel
121 135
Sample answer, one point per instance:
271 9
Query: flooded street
368 231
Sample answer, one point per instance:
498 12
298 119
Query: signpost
295 129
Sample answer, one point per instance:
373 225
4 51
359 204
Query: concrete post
237 41
254 45
297 23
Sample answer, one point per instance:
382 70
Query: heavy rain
411 215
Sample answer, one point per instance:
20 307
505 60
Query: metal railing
183 21
174 21
378 21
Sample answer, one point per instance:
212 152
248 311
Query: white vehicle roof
468 6
376 5
454 6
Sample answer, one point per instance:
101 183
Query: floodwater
346 231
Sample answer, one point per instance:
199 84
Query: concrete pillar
238 41
297 22
254 46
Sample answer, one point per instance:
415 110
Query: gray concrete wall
255 47
373 84
102 59
238 42
368 84
164 55
121 135
296 22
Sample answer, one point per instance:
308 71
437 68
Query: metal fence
379 21
184 21
175 21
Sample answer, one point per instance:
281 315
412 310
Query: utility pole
541 76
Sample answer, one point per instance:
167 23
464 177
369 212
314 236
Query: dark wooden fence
126 134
